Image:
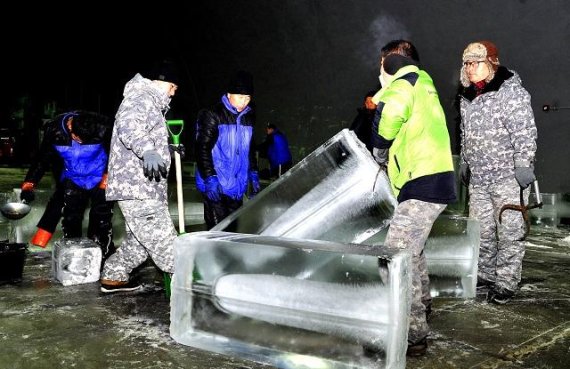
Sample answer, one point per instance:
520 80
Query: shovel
524 208
175 128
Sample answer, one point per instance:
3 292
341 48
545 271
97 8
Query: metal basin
15 210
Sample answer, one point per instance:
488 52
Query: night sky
312 60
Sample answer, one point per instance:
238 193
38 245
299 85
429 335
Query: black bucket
12 259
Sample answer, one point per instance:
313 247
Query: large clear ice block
336 193
285 302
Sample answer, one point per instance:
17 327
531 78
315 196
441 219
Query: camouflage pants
409 229
502 247
150 232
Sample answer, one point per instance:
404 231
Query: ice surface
267 298
76 261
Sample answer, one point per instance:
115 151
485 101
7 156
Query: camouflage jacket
498 132
140 125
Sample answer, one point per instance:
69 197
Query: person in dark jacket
224 151
275 148
76 144
362 123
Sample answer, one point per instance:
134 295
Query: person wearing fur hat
138 170
498 148
410 136
225 153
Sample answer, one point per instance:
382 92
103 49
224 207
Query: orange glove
103 183
27 195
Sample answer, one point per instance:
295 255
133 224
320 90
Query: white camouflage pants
149 232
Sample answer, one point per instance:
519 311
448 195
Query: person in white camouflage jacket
498 147
138 170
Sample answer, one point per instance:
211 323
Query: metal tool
524 208
15 210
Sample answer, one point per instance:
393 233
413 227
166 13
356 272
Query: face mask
383 80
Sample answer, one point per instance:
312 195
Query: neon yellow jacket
411 115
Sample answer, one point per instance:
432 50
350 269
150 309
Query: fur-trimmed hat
480 51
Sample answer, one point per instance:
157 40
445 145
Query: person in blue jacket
275 148
224 151
77 142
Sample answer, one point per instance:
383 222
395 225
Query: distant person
275 148
362 123
225 152
76 147
138 170
498 149
410 136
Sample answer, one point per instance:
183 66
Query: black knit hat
166 71
241 84
394 62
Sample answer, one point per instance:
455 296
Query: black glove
27 195
180 149
154 167
465 174
524 176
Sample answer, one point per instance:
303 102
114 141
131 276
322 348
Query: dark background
312 61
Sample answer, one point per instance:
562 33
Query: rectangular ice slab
76 261
337 193
452 255
291 303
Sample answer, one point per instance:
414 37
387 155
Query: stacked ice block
76 261
337 193
285 302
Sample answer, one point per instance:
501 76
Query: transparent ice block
76 261
336 193
283 301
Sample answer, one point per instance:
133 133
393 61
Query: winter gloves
27 195
154 167
213 188
524 176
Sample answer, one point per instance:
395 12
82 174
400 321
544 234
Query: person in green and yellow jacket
410 137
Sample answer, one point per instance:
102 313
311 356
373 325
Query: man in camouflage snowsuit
498 146
138 168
